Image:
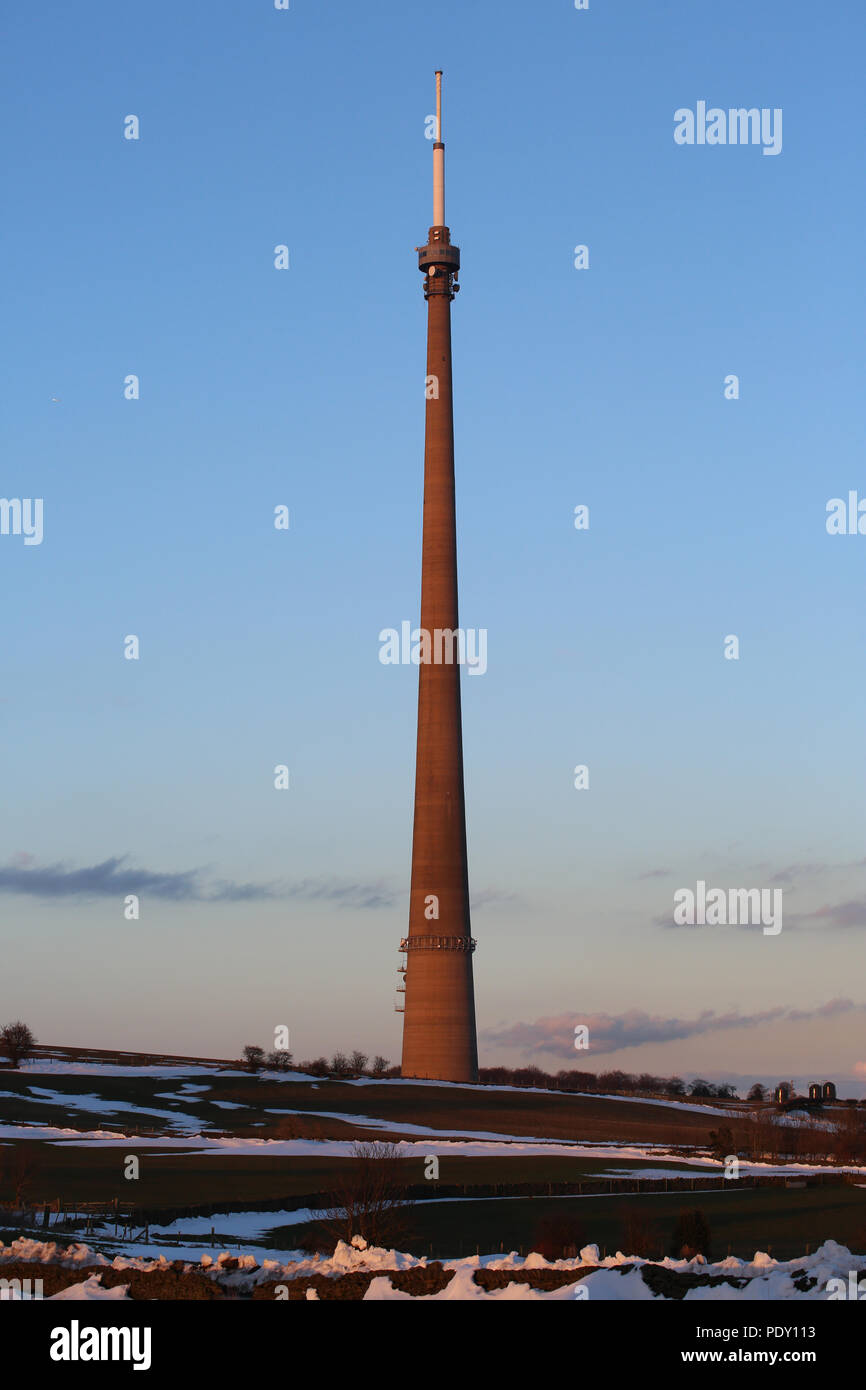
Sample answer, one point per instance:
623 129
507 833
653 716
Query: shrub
691 1235
318 1067
559 1236
17 1041
722 1143
640 1235
280 1060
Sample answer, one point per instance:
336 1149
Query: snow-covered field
224 1146
189 1090
60 1067
616 1277
98 1105
170 1072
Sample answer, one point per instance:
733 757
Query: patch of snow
230 1145
89 1291
610 1279
97 1105
168 1072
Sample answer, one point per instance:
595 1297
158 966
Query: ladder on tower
400 1003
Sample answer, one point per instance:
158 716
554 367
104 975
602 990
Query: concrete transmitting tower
439 1014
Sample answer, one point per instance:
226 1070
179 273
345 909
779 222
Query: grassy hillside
177 1099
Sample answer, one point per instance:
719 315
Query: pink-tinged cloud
850 914
554 1036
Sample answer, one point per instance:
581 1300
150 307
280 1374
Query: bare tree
380 1066
17 1041
370 1197
17 1171
848 1137
339 1064
764 1137
358 1062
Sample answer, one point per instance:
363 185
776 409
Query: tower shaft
439 1038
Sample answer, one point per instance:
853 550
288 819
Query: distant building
828 1091
815 1091
783 1092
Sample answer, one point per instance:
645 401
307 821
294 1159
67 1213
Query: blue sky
305 387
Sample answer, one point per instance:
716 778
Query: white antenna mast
439 161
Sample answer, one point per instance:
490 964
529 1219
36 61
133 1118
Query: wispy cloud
848 914
378 894
115 877
554 1036
812 869
792 872
493 897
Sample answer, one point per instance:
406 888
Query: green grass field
173 1177
781 1222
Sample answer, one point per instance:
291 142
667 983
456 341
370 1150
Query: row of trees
605 1082
341 1065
